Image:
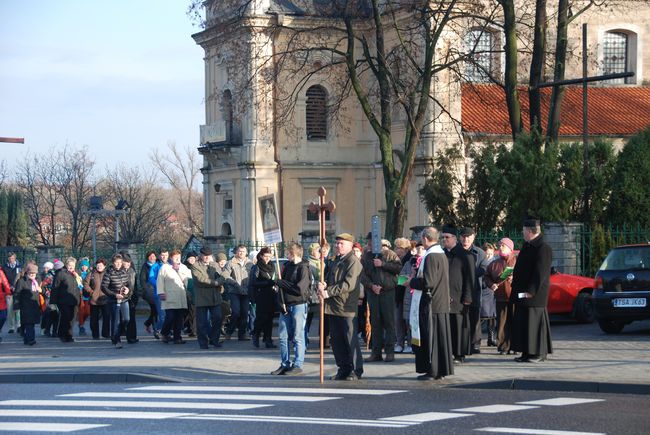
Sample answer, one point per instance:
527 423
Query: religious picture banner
270 219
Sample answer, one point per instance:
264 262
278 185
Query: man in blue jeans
294 294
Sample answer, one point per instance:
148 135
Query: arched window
616 55
225 229
316 113
480 64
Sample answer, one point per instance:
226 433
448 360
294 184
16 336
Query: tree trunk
512 95
553 128
537 67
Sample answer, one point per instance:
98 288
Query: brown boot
390 357
373 358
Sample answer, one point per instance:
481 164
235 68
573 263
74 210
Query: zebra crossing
91 410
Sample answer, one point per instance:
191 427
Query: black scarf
267 268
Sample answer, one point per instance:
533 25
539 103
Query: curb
540 385
81 378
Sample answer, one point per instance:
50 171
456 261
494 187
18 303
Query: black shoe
180 341
522 358
425 377
256 341
293 371
243 338
270 345
156 335
279 371
476 350
11 331
204 347
373 358
165 338
133 341
82 330
459 360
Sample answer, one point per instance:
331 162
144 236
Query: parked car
571 295
623 288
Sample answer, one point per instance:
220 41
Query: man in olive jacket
341 298
531 330
208 286
379 279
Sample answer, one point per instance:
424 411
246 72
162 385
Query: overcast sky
120 76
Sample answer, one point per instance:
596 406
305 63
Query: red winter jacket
5 290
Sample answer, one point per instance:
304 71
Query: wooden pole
321 208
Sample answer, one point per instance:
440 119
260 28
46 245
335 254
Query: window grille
479 66
615 55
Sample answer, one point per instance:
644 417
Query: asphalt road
295 407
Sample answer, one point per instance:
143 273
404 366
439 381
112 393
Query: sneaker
118 345
293 371
398 348
156 334
408 349
279 371
148 329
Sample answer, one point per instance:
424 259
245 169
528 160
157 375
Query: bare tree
180 169
148 210
392 58
37 179
75 182
4 172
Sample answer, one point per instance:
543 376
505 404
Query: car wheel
584 308
611 326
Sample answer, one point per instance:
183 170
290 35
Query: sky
122 77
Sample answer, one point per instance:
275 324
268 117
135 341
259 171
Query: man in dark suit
461 283
531 332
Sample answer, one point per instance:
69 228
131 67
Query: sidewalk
582 353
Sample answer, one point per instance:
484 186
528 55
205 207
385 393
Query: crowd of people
432 297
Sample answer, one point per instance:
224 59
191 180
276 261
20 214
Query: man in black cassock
462 268
531 331
433 356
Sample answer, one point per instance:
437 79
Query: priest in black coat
531 331
462 268
433 355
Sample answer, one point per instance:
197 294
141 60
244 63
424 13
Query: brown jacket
492 276
93 288
385 275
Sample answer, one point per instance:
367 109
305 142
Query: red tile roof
613 111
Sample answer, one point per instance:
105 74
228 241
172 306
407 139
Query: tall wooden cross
321 208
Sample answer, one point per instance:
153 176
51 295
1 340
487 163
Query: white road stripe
493 409
561 401
253 397
299 420
425 416
86 413
133 404
8 426
534 431
269 390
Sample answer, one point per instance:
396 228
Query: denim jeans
292 326
119 315
208 323
161 315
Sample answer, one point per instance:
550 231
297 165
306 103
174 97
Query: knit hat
191 254
48 265
449 229
221 257
58 264
509 243
84 262
31 268
314 246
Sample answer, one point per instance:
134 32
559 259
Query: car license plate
629 302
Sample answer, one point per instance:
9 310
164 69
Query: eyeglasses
447 237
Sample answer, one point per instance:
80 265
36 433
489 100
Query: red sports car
571 295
